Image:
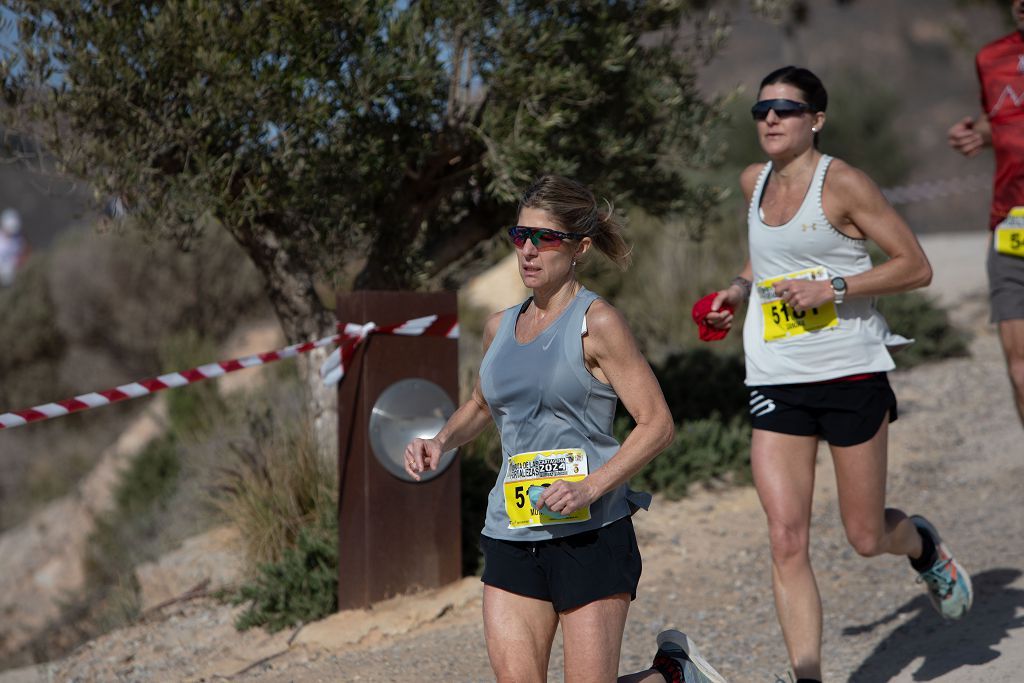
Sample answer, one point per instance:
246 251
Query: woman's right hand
420 455
719 318
965 137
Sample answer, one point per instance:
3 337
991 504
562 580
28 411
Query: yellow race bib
781 321
1009 237
526 478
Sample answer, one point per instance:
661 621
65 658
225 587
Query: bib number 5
1009 235
781 320
527 476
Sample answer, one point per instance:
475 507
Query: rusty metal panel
394 536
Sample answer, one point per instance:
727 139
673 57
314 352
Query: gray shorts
1005 285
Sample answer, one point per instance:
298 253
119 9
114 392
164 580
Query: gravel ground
956 455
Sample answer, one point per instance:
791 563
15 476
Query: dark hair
575 209
802 79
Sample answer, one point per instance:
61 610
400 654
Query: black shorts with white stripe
844 412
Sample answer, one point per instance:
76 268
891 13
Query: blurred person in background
817 354
1000 66
13 248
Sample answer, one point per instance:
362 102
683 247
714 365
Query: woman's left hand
804 295
566 497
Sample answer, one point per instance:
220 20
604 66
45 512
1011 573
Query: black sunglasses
784 109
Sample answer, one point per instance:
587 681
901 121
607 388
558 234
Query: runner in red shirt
1001 75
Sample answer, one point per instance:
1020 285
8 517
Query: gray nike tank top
542 397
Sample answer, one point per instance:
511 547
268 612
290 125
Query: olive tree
364 143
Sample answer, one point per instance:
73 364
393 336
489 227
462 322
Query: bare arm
855 204
734 295
463 426
969 135
866 207
611 352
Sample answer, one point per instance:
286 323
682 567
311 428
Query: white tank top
784 347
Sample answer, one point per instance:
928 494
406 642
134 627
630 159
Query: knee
509 667
788 543
866 541
509 672
1016 369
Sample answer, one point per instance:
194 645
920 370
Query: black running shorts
844 413
570 571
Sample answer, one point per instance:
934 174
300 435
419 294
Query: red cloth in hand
700 314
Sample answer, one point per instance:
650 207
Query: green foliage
127 534
919 317
302 586
392 136
702 449
707 397
701 383
150 478
479 463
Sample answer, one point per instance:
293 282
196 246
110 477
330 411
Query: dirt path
957 456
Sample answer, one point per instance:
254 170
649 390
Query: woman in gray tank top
817 353
558 541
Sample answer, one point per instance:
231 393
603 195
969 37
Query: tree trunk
323 406
387 264
303 318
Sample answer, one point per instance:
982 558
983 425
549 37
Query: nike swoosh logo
545 347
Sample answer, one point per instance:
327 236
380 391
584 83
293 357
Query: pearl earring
814 130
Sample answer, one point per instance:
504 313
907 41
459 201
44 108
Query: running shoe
678 654
949 586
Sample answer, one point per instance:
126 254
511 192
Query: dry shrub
271 482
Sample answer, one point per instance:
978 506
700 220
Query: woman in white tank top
817 353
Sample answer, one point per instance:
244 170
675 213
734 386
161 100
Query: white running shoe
681 650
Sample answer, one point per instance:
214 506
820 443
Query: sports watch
838 289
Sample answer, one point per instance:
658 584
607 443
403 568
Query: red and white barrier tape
333 370
353 335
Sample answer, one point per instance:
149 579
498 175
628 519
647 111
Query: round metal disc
406 410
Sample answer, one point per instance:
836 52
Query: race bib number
529 474
1009 237
781 320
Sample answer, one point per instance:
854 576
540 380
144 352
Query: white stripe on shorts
760 404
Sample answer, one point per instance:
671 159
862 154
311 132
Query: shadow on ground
944 646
